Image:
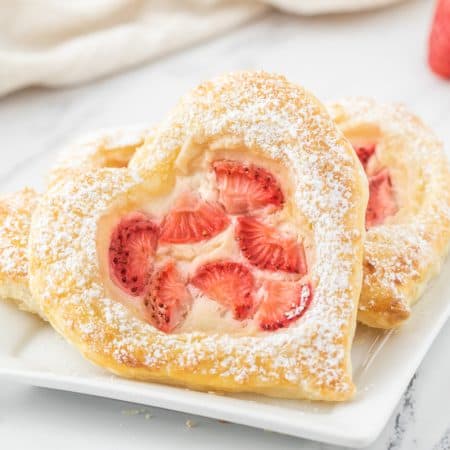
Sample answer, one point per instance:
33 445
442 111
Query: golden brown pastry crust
110 147
403 253
15 219
258 113
107 147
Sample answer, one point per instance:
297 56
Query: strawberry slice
382 203
131 251
193 220
267 249
364 154
284 302
228 283
246 187
168 300
439 41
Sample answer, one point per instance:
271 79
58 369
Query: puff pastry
408 216
231 262
107 147
111 147
15 220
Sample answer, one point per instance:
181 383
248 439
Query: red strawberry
382 201
193 220
285 302
365 153
131 251
168 300
265 248
246 187
228 283
439 41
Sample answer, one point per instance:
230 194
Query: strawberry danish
408 215
227 256
104 148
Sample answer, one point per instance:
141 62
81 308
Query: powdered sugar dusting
105 147
283 122
101 148
304 295
403 253
15 219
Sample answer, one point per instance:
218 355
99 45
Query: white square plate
383 363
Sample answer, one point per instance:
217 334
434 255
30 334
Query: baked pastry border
404 253
270 116
105 147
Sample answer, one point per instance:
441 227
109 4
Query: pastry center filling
224 256
382 201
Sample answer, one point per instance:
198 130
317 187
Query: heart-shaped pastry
408 214
227 257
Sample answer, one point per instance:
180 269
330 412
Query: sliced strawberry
246 187
267 249
168 300
228 283
439 41
193 220
284 302
131 251
365 153
382 203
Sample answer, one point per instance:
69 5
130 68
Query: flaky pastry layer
403 253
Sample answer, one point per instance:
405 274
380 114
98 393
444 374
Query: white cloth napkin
61 42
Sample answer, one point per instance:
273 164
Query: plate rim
267 420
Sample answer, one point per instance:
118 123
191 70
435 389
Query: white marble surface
380 54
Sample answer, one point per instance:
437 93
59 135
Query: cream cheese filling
194 174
